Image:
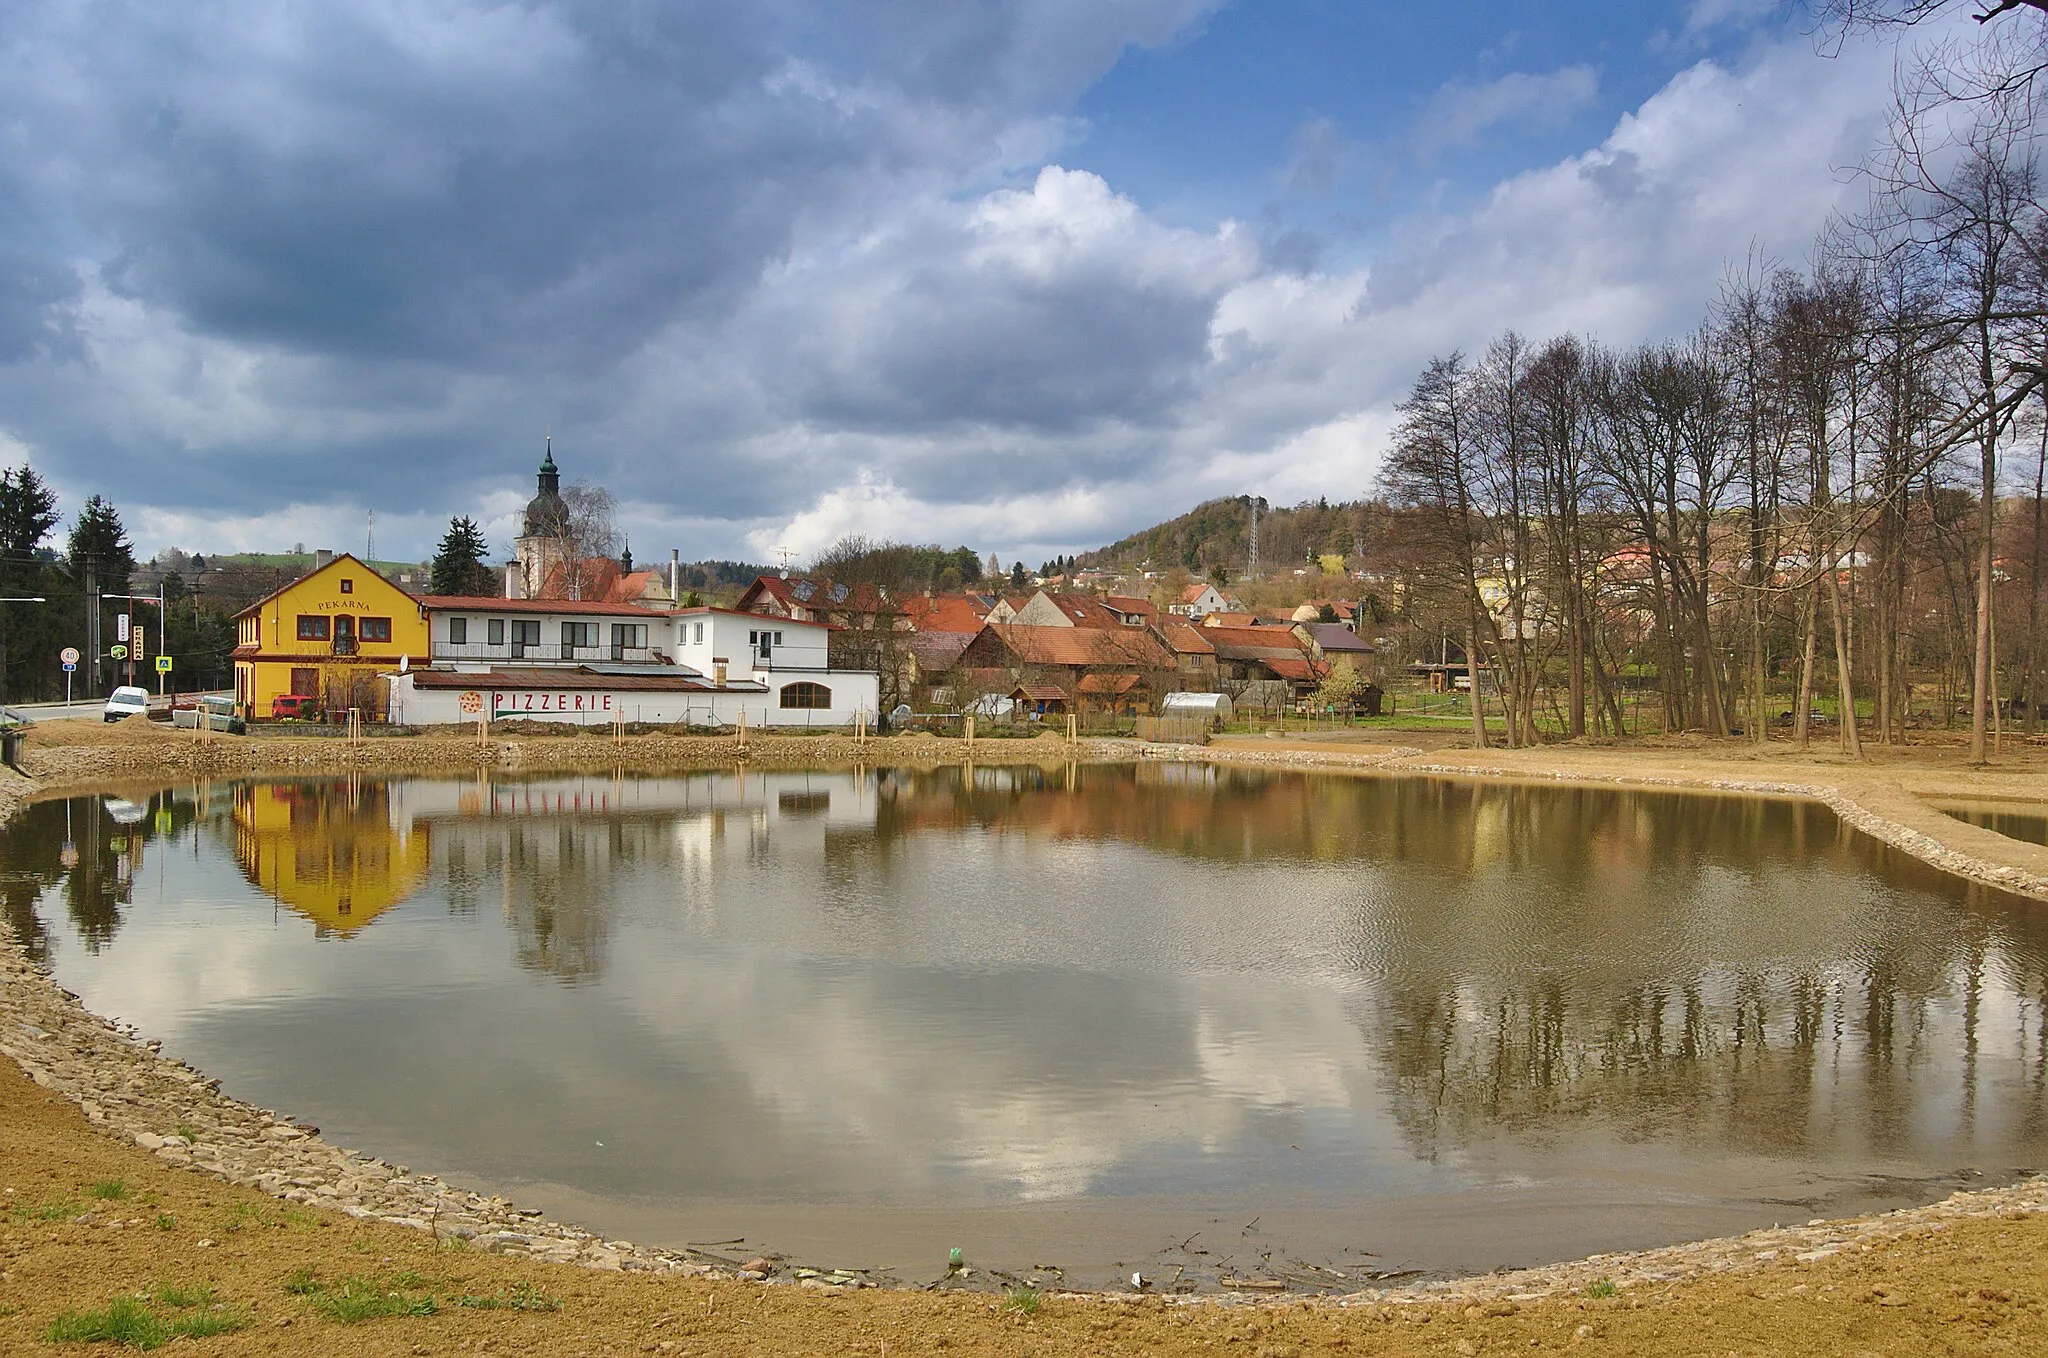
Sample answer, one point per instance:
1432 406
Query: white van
127 701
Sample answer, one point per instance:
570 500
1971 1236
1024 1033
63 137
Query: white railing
549 653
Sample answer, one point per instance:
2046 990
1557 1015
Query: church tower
544 539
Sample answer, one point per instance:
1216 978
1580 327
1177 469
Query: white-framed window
458 631
699 639
494 631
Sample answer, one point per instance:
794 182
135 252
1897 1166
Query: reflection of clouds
914 989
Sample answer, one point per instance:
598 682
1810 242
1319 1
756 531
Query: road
73 711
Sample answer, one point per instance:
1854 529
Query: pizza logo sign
472 703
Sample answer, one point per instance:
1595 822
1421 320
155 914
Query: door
525 636
306 683
344 635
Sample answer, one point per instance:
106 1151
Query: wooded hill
1217 534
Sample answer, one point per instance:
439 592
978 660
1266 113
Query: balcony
540 653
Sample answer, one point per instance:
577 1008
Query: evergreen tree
1017 575
28 511
99 540
459 562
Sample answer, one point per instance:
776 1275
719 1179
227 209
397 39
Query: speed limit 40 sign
69 655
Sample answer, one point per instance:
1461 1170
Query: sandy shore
270 1198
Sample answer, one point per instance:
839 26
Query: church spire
550 479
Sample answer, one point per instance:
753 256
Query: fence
1174 730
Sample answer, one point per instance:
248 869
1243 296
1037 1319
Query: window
628 636
494 631
806 695
312 628
698 639
576 634
348 586
458 631
525 635
376 629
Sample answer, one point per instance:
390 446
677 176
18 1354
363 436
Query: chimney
512 580
322 557
675 576
718 663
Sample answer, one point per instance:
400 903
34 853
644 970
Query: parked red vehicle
294 707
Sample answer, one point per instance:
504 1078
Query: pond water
1197 1021
2014 820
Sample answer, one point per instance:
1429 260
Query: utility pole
92 627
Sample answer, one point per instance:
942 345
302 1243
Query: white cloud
863 295
1460 112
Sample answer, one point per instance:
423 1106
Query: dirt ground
86 1220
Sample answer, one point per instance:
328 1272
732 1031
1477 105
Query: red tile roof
946 613
1300 668
565 679
1126 646
492 603
1118 684
1039 693
1184 636
816 595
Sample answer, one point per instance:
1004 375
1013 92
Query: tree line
1833 486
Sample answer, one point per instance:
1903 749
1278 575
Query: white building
592 663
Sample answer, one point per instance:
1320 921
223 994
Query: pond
1197 1021
2014 820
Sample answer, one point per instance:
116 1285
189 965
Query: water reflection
990 985
2014 820
334 851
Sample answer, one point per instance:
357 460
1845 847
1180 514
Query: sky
1024 275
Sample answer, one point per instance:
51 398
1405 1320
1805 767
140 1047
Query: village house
1331 640
1198 601
1065 656
327 636
560 660
1250 654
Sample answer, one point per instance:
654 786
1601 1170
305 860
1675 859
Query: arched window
806 694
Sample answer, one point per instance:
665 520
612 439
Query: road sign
121 627
69 655
163 664
118 652
70 665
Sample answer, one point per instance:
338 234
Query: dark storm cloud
395 236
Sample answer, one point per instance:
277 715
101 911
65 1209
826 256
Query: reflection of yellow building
327 637
328 851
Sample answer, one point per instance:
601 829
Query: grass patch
184 1298
518 1297
53 1209
1023 1300
365 1297
138 1322
166 1222
187 1133
109 1190
1603 1288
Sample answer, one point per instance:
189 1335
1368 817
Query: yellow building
328 850
327 636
